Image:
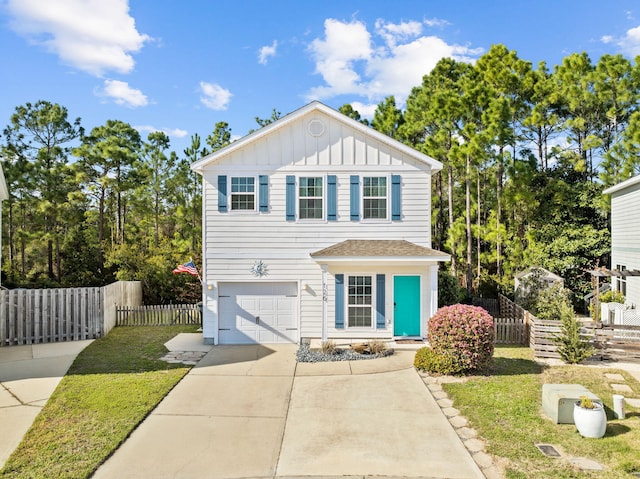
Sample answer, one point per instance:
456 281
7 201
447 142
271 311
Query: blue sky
180 66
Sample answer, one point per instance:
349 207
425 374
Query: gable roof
368 250
622 186
200 164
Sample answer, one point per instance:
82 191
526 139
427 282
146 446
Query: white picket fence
31 316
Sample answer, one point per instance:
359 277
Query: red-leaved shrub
464 331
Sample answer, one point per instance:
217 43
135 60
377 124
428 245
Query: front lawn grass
110 388
505 408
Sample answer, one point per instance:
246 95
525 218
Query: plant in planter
590 418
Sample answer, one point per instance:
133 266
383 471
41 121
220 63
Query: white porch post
433 296
325 300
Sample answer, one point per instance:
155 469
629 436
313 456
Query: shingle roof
378 248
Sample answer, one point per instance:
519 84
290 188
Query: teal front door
406 305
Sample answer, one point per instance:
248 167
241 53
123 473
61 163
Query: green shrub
465 332
446 363
612 296
554 304
449 290
571 347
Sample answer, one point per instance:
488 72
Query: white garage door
258 313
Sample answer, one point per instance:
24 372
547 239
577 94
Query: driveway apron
252 412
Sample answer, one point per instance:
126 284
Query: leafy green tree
388 117
41 134
219 138
107 156
348 110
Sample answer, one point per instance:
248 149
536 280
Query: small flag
189 268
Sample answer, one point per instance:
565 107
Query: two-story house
317 226
625 241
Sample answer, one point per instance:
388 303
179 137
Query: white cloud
171 132
214 96
122 94
365 110
435 22
630 43
94 36
606 39
395 32
390 62
335 55
266 52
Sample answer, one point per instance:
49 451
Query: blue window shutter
355 197
291 198
339 301
332 198
380 320
263 192
222 193
396 198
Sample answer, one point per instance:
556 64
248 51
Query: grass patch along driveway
505 409
109 389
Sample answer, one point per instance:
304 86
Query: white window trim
323 219
256 186
387 219
374 295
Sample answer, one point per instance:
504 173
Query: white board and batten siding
625 233
234 241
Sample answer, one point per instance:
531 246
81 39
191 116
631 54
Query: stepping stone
621 388
614 377
633 402
445 403
548 450
585 464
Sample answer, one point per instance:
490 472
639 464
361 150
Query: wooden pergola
607 273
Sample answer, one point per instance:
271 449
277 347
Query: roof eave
622 186
381 259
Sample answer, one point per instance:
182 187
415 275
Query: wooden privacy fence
29 316
511 322
158 315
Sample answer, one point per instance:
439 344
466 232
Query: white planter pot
590 422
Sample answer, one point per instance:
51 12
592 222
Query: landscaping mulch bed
307 355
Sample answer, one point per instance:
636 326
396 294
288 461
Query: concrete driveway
253 412
28 376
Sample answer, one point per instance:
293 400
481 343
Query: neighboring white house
4 195
543 274
317 226
625 239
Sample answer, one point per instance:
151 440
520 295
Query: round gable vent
315 128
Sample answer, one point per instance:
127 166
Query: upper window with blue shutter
311 198
243 193
374 198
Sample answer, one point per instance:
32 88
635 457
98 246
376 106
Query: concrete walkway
28 377
253 412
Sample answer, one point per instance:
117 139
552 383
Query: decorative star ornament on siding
259 269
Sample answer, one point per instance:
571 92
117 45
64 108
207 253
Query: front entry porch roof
379 251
